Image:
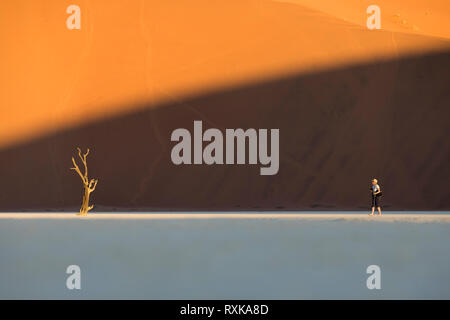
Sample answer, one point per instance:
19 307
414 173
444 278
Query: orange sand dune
430 18
338 129
129 51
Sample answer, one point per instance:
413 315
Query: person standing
376 194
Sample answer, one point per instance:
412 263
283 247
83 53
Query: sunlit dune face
430 18
132 51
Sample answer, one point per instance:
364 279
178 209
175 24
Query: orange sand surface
152 51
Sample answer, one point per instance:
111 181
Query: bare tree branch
84 161
79 153
77 169
92 185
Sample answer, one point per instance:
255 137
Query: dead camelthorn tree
89 186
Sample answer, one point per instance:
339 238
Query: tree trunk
85 204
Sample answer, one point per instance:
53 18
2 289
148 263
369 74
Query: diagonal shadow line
338 129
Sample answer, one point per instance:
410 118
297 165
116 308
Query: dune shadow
338 129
